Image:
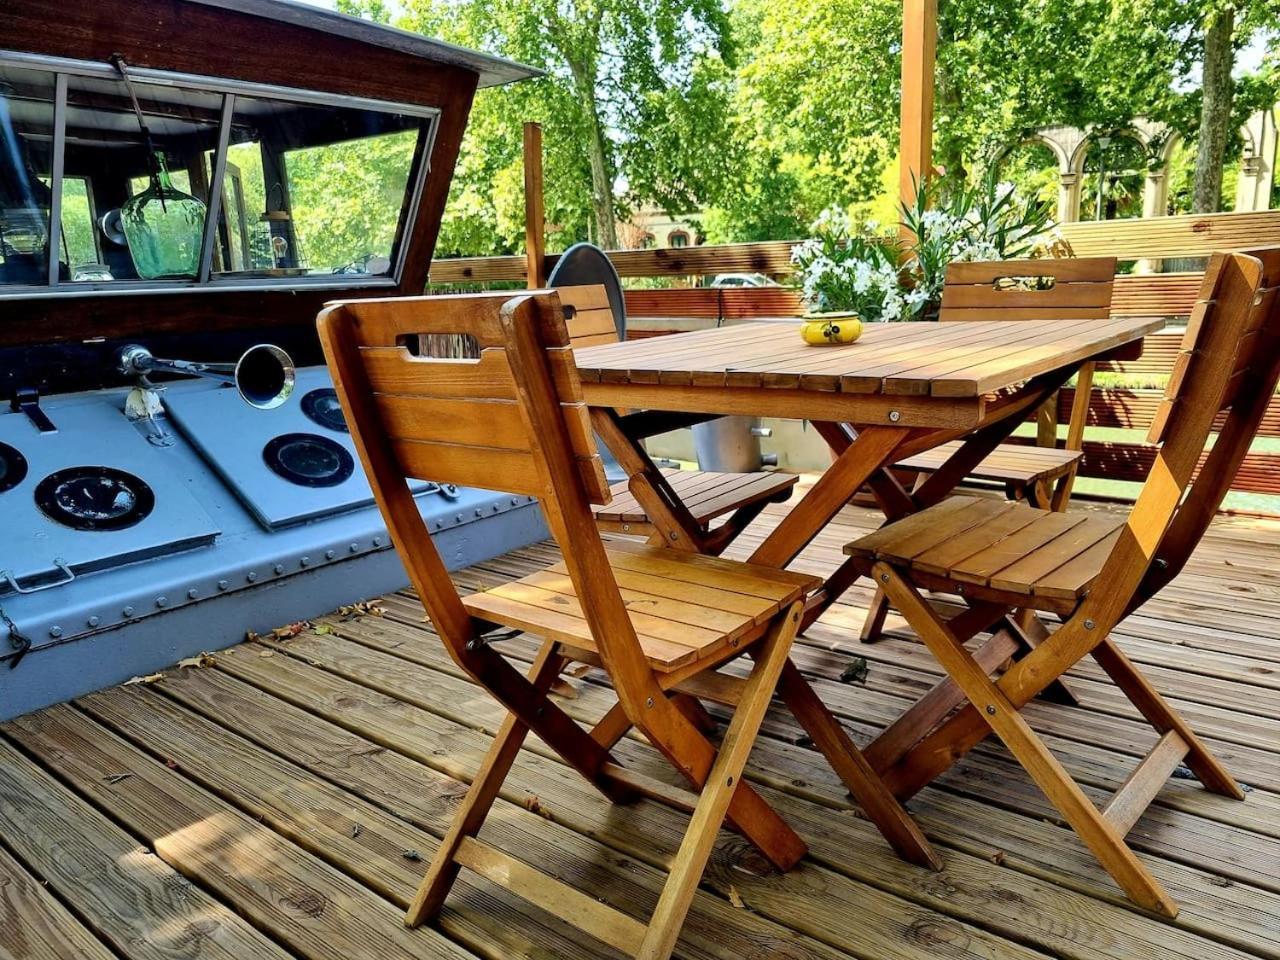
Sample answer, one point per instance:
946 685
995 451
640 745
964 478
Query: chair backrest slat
459 420
1230 356
1081 289
1238 311
588 315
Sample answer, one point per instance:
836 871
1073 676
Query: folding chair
1090 570
659 621
1043 475
704 494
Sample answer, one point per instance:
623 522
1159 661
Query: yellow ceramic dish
826 331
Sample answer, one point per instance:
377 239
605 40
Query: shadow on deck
283 799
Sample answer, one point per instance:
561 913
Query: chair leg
1062 491
881 806
1004 719
692 708
873 626
612 727
615 724
748 812
556 728
717 541
722 782
480 797
1028 630
1164 718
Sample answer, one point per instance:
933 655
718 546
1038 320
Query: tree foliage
762 114
630 86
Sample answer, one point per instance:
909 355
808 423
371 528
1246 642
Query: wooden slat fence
1166 294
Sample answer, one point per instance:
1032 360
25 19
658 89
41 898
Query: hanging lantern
277 239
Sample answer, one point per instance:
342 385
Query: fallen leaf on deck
998 858
149 678
323 629
266 653
200 660
251 637
365 608
413 855
563 688
856 671
581 670
356 830
735 898
289 630
534 805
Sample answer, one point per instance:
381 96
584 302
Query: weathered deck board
285 783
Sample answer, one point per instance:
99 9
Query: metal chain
19 642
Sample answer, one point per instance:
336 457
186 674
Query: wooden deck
281 801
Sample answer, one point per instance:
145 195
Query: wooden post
919 49
535 220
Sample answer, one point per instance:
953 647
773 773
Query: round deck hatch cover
308 459
321 406
94 498
13 467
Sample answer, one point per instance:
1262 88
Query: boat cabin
186 181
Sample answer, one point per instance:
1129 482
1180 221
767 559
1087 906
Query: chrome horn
264 375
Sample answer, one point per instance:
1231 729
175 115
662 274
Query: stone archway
1258 165
1070 145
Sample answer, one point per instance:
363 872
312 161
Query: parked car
742 280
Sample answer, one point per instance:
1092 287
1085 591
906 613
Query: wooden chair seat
1069 290
1010 464
706 494
1008 550
684 607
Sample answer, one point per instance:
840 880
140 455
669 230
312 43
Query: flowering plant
874 274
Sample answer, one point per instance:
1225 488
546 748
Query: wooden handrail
772 257
1193 235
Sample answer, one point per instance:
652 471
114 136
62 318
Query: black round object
585 264
94 498
321 406
13 467
308 459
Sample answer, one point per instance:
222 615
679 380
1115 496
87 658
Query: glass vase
164 228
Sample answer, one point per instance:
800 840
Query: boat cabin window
218 183
313 190
147 193
26 151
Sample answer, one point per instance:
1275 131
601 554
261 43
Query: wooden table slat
903 359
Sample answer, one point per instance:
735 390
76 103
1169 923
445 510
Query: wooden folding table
899 390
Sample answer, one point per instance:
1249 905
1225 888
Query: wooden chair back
1230 360
588 315
1080 289
511 420
458 420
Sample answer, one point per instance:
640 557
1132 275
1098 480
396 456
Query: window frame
61 68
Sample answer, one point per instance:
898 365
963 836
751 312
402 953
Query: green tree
612 65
